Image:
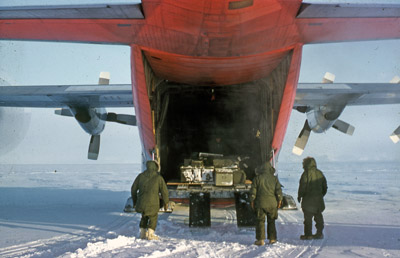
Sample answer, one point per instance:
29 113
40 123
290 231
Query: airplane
208 69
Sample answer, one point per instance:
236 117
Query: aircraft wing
125 23
91 96
319 94
89 23
120 95
83 11
321 23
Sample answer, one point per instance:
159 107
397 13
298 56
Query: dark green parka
146 188
312 187
266 190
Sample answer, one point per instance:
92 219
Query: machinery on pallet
214 180
212 169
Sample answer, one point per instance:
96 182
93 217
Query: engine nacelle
321 118
92 120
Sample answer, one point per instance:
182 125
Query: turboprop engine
321 118
93 120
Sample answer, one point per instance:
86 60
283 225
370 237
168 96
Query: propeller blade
63 112
122 119
395 79
94 147
302 140
395 137
343 127
328 78
104 78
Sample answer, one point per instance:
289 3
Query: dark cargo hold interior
196 116
188 119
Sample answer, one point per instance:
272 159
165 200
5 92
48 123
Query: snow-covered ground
76 211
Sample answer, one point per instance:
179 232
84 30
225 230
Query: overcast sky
54 139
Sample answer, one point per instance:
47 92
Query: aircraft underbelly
214 71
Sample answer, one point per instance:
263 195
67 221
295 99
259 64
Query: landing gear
245 215
288 203
200 207
199 210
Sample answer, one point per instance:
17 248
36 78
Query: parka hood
152 166
266 167
309 163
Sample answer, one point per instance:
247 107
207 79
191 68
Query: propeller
93 120
94 145
329 116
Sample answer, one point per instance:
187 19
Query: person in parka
312 189
145 195
266 198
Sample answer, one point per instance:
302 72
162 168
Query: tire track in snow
39 247
292 228
221 240
310 250
59 245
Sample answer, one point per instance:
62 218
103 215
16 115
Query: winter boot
272 241
152 235
306 237
318 236
143 233
259 242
